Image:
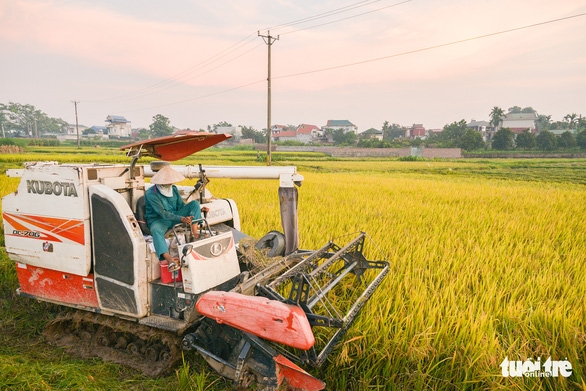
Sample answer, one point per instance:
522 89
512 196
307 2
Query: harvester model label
32 234
66 189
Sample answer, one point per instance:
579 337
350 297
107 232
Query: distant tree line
20 120
458 135
24 120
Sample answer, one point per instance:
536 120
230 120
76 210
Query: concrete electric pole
269 40
75 102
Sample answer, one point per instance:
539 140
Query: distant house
235 131
518 122
307 133
286 135
343 124
482 127
304 133
118 126
97 129
372 133
276 129
417 131
72 129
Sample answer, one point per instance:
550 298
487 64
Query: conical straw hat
166 176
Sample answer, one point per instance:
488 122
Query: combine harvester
77 235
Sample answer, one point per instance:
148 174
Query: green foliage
248 132
144 134
221 124
19 142
194 379
571 119
471 140
496 116
242 147
503 139
410 158
98 143
454 131
567 140
343 138
393 131
25 142
546 141
161 126
581 139
290 143
26 120
543 122
450 136
525 140
45 142
376 143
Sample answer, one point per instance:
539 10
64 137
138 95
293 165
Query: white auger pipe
286 174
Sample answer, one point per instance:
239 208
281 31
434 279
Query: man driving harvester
165 208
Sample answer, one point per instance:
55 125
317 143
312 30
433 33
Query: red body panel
269 319
292 377
57 286
178 146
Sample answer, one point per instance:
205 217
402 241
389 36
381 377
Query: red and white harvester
77 235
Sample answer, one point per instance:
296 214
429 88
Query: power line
146 93
371 60
177 79
347 18
325 14
198 97
431 47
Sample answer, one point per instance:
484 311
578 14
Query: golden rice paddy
488 262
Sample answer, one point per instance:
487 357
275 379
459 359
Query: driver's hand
186 220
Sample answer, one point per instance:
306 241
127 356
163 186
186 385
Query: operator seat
140 216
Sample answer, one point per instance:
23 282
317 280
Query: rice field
488 261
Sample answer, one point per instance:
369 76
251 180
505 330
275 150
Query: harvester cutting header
256 310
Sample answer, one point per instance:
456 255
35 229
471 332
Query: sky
199 63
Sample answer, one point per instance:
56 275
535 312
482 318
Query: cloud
163 53
100 36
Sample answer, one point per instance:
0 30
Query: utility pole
75 102
269 40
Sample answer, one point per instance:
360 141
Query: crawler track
84 334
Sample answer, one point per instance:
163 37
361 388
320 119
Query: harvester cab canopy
175 147
183 144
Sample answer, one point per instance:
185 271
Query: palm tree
543 122
571 118
495 117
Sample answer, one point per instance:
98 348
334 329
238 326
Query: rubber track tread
82 334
